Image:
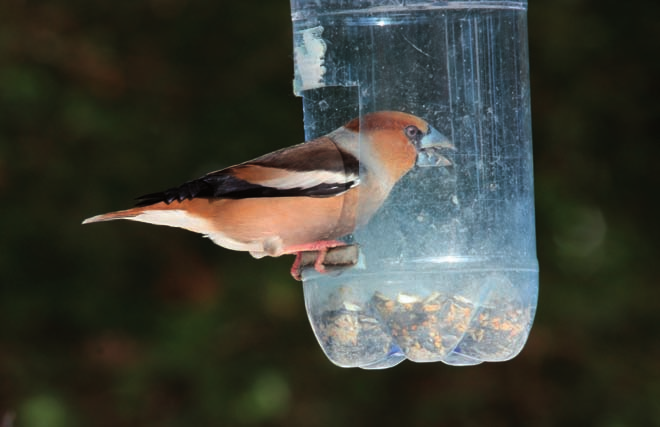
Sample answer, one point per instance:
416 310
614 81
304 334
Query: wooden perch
335 259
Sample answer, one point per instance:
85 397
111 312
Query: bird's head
400 141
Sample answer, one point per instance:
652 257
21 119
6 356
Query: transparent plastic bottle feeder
447 268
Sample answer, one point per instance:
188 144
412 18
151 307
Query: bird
302 198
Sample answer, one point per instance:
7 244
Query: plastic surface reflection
447 269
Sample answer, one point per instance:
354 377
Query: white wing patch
308 179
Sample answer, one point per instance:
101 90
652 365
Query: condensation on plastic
448 269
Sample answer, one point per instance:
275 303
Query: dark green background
132 325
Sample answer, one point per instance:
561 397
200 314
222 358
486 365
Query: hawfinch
301 198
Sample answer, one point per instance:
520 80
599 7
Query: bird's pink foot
321 247
295 268
320 258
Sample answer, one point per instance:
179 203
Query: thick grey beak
433 138
431 146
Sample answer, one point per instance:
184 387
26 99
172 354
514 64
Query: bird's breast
270 225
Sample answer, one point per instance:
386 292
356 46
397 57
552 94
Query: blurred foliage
133 325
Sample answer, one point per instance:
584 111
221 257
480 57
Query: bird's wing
318 168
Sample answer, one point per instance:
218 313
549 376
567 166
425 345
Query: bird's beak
435 139
431 150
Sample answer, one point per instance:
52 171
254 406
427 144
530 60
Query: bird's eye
413 132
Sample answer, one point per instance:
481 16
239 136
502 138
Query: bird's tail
175 214
130 214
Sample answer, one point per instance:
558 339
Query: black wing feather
227 186
223 184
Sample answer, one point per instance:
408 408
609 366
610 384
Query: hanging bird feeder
446 269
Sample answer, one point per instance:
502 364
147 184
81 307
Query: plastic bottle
448 269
